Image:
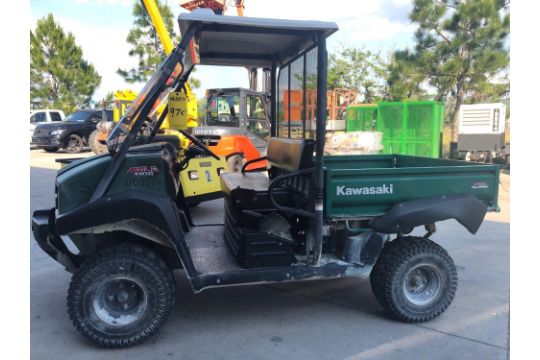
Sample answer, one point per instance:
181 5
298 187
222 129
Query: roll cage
271 44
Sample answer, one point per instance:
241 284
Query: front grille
41 141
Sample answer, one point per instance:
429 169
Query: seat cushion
256 181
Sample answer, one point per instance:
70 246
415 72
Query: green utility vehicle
305 217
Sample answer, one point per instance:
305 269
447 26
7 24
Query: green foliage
201 109
404 80
359 69
147 46
59 75
145 42
460 49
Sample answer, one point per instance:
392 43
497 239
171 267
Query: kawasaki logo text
368 190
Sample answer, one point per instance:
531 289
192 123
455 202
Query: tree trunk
460 94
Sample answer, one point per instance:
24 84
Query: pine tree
404 81
358 69
59 75
147 46
460 48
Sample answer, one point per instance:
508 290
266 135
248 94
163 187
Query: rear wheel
51 149
414 279
121 296
74 144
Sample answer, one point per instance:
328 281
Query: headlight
193 175
56 132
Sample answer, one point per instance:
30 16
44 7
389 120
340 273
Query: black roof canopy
251 42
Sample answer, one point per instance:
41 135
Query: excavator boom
153 10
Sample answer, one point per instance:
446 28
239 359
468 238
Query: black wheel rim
422 284
119 301
74 144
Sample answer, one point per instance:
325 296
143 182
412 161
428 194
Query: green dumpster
409 128
361 117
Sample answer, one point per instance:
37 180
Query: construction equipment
217 6
337 101
483 134
309 217
200 182
233 137
185 114
236 121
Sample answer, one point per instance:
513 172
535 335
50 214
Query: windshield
77 116
38 117
223 110
163 81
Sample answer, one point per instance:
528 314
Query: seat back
290 155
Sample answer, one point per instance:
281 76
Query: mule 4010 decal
145 170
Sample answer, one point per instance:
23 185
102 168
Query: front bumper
43 228
50 141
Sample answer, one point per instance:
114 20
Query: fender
405 216
137 211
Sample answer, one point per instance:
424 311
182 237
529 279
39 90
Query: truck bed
369 185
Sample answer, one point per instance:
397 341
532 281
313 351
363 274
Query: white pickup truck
46 115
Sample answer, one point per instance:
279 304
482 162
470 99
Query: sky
100 27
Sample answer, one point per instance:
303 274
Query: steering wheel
199 144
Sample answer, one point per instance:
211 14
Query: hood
59 125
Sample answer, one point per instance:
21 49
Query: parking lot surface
322 319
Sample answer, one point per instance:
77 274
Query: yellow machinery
183 103
200 181
122 101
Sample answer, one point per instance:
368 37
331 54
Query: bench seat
249 190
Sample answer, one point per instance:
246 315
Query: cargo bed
369 185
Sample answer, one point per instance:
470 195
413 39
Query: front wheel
121 296
74 144
414 279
